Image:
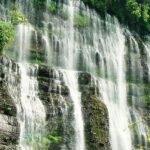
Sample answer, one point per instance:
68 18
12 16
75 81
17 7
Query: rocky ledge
56 98
8 122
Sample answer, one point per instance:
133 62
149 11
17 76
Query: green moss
53 138
96 125
81 21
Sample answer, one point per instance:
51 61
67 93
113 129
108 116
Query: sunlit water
101 48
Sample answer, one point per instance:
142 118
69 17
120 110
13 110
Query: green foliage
99 5
81 21
39 4
17 17
39 62
134 13
54 139
52 7
138 10
7 32
43 142
146 13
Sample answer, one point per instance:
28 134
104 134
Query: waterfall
30 110
117 59
114 91
71 34
31 114
32 117
71 78
22 42
147 47
72 82
138 76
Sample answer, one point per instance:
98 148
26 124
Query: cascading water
30 110
31 114
147 47
72 82
32 117
22 42
71 78
113 90
138 125
96 46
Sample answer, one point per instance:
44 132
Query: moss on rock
96 123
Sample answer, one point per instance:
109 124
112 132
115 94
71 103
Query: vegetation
139 13
7 32
81 21
17 17
52 7
42 142
39 4
135 13
7 29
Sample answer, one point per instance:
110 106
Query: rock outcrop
8 121
95 115
55 96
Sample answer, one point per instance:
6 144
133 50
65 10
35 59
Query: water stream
72 82
103 48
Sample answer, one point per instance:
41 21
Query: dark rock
55 96
96 123
84 78
8 123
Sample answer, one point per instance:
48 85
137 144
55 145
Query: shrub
81 21
6 34
52 7
17 17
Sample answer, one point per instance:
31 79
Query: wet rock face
96 123
84 78
59 107
8 122
95 115
55 96
138 84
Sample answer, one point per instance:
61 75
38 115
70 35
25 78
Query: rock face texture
55 96
59 108
95 115
8 122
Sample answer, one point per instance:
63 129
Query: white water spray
72 82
